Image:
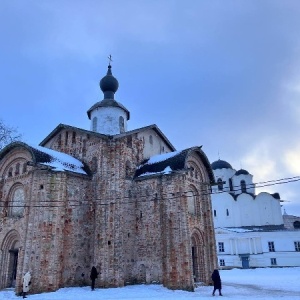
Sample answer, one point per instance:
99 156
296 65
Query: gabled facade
87 197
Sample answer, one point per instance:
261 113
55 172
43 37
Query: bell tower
108 116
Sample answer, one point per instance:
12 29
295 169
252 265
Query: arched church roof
242 172
55 160
172 161
221 164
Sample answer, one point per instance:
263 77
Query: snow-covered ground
267 283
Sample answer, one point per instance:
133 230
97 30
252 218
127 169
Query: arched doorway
9 261
198 257
141 276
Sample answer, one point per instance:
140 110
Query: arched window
84 147
66 138
121 124
243 186
17 202
59 140
129 141
192 171
220 184
230 184
24 168
296 225
95 121
10 171
191 199
73 137
94 164
17 172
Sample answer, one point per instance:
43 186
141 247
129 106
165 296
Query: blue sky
222 74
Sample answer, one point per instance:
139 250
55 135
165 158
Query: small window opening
66 138
222 263
230 184
220 184
273 262
129 141
271 246
59 140
192 172
24 168
94 124
17 169
221 247
243 186
121 124
151 140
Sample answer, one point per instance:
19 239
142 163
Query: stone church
123 201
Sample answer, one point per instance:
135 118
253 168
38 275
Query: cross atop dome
109 60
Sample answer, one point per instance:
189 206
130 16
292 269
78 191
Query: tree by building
8 134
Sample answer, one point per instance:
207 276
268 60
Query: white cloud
259 161
291 159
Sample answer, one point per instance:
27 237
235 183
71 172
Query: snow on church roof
160 157
172 161
162 164
55 160
58 161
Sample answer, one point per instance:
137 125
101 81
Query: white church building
250 229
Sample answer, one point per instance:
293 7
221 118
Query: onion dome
109 84
221 164
242 172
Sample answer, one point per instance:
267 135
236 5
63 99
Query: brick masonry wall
133 231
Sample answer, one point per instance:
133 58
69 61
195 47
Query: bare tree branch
8 134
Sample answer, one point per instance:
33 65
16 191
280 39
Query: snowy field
267 283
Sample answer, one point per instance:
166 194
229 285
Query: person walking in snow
93 276
217 282
26 284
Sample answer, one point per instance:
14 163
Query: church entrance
198 258
13 266
9 260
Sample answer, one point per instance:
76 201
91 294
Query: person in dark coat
217 282
93 276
